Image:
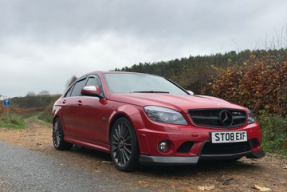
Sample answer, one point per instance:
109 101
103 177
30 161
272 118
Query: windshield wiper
150 92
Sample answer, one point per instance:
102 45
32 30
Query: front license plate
228 137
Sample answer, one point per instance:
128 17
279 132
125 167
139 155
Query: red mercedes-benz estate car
147 119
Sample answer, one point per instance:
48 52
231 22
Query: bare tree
31 93
44 93
71 81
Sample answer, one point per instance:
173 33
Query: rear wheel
58 136
124 145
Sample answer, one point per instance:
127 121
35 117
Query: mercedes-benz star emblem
225 118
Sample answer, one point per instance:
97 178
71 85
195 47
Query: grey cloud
53 40
70 20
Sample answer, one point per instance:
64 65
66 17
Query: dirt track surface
270 172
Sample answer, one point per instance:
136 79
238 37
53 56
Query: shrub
45 117
274 129
47 114
258 84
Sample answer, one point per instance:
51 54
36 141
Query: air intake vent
225 148
185 147
254 143
224 118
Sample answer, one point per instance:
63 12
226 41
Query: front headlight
251 117
164 115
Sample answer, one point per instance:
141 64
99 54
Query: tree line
194 72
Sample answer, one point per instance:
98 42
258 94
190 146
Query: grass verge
274 139
35 117
12 121
45 117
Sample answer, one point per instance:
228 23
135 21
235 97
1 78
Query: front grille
212 118
225 148
185 147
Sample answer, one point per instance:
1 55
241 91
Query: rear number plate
228 137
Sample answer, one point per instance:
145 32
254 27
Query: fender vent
185 147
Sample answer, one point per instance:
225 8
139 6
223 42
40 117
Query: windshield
140 83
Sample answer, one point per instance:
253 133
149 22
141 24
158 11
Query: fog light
163 146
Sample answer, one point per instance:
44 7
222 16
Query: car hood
181 103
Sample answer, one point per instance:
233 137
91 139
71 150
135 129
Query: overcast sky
45 42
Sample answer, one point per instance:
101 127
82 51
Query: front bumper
149 139
154 160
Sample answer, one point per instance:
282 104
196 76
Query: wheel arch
54 118
130 112
115 118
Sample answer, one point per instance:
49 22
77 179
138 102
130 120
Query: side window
68 94
93 81
78 88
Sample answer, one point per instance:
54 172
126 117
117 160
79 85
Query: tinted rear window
78 88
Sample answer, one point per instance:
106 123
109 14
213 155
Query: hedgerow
258 84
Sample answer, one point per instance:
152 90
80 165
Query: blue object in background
6 102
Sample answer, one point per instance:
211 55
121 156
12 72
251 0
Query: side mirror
91 91
190 92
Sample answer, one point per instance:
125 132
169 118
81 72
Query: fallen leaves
143 184
206 188
107 162
261 188
228 181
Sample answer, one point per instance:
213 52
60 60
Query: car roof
113 72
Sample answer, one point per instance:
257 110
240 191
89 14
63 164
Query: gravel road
25 170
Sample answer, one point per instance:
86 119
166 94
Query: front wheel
58 136
124 145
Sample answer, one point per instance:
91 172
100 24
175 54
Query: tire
58 136
124 145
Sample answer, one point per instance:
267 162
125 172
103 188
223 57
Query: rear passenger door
66 112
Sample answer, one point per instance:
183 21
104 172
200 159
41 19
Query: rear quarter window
68 93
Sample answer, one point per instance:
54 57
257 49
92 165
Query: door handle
80 103
64 101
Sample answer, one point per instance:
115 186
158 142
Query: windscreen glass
142 83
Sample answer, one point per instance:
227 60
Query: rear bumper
155 160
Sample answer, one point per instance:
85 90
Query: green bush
34 101
46 117
12 121
274 128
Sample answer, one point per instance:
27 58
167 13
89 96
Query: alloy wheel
56 134
121 144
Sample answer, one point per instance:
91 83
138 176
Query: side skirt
104 148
